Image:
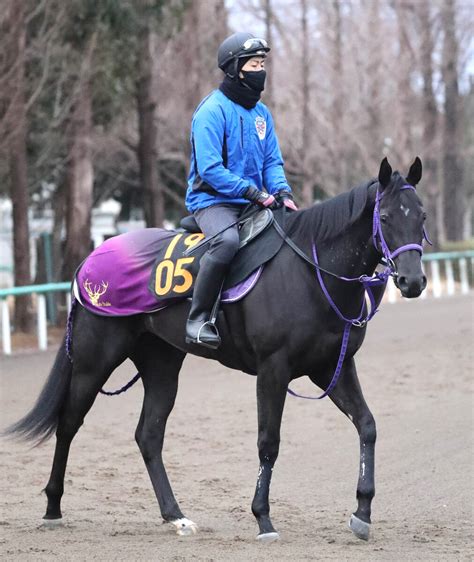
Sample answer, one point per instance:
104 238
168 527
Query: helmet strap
235 69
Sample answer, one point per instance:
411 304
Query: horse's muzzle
411 286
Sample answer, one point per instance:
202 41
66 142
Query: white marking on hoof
52 523
360 528
184 527
268 537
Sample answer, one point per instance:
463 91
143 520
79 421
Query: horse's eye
424 216
383 217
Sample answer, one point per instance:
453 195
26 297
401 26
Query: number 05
171 272
180 272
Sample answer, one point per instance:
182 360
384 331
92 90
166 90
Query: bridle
379 240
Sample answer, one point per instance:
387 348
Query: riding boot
206 291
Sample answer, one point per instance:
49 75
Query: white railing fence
41 316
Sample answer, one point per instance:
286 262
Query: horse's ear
414 175
385 173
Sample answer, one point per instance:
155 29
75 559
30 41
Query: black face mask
245 91
254 80
239 93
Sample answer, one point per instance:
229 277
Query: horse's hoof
360 528
184 527
52 523
268 537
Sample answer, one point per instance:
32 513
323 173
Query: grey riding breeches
212 220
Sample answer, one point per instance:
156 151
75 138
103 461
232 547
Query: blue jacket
232 149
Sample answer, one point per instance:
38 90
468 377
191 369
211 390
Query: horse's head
399 226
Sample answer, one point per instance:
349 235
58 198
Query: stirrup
210 344
210 324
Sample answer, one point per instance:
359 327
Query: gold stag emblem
95 292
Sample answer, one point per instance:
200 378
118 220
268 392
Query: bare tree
403 124
430 121
307 183
453 192
373 76
337 90
80 172
147 100
18 161
268 10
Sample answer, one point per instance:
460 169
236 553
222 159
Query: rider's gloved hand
261 198
285 197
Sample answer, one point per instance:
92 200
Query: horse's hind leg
349 399
159 364
99 346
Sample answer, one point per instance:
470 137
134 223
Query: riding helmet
240 45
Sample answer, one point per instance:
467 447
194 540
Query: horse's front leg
272 383
349 399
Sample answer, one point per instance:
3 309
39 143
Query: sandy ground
416 369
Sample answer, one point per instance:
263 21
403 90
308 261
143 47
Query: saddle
257 243
249 227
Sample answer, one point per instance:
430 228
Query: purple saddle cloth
114 279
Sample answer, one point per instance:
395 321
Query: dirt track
418 386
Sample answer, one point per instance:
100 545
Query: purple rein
379 279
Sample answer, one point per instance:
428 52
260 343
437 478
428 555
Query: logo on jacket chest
261 126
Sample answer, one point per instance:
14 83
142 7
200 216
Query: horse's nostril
402 281
423 283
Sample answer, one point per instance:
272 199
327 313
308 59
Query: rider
235 160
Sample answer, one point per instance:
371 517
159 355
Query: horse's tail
41 422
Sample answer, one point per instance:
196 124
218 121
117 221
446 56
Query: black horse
284 329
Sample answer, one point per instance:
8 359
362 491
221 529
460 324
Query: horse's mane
331 217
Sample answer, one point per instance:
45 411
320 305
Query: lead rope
337 372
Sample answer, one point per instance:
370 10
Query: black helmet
240 45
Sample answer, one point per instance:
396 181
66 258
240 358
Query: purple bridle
378 279
377 234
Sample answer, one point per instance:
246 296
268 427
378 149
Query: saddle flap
250 228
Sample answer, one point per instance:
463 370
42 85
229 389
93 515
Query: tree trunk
18 168
307 188
147 123
403 141
430 182
59 203
221 30
193 55
269 61
337 110
374 75
80 173
453 191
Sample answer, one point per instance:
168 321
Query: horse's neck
352 253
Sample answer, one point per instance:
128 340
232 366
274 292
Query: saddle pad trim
252 280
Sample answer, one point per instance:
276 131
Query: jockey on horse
235 159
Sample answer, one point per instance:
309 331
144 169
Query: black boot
206 291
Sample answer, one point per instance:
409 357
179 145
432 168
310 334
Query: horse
291 324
